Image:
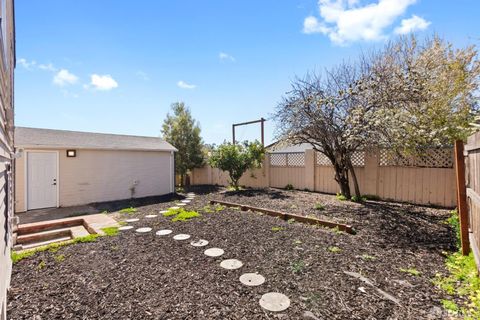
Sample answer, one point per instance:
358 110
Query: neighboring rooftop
49 138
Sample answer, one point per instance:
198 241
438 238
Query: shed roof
49 138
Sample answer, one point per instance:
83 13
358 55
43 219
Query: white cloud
184 85
47 67
142 75
64 77
226 57
102 82
345 21
26 64
413 24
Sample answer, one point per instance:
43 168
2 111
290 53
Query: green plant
237 158
207 209
410 271
179 190
318 206
450 306
171 212
128 210
368 257
341 197
454 221
110 231
186 215
59 258
219 207
334 249
297 266
276 229
289 186
42 265
85 239
358 199
291 221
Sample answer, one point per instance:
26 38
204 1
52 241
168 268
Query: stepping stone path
274 301
199 243
143 230
231 264
214 252
181 236
252 279
163 232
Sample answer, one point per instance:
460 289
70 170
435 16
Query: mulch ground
144 276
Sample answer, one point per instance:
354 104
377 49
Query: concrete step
43 236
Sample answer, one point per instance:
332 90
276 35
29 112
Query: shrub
289 187
341 197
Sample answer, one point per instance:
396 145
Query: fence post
310 169
462 196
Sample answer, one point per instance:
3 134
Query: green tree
183 132
236 159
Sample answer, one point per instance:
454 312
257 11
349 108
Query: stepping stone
181 204
199 243
150 216
163 232
173 208
181 236
252 279
144 230
132 220
185 201
123 228
163 211
231 264
190 194
214 252
274 301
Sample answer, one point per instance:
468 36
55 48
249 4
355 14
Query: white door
41 180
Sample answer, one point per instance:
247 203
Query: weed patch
276 229
319 207
110 231
128 210
411 271
297 266
334 249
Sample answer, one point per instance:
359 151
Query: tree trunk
341 176
182 177
355 181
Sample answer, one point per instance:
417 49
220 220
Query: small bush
411 271
334 249
276 229
59 258
358 199
371 197
319 206
186 215
341 197
297 266
289 187
110 231
128 210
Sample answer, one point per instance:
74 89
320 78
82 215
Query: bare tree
330 114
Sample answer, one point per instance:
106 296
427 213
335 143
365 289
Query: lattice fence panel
296 159
322 160
358 159
430 158
278 159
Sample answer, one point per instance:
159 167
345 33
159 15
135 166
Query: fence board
419 185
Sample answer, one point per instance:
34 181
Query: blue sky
116 66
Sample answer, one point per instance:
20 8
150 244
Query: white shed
57 168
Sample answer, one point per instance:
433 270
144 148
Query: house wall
104 175
7 64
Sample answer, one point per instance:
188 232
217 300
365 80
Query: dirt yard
398 248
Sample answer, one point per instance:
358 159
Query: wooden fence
428 180
468 176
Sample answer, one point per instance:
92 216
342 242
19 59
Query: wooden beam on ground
287 216
462 196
